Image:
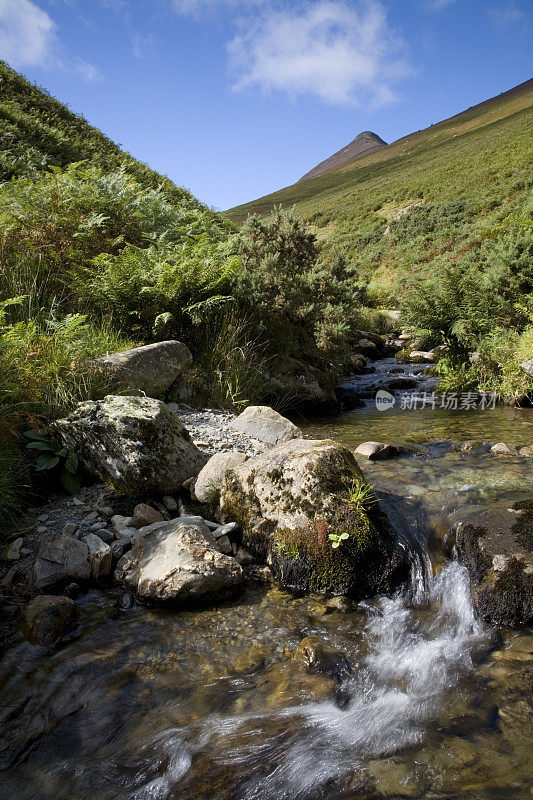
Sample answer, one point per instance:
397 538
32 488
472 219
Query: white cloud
343 54
88 71
196 8
506 16
27 34
438 5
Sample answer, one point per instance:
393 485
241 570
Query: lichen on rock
133 443
292 500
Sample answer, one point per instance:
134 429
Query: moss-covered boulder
306 510
134 443
496 546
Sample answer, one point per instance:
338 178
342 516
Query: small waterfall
416 654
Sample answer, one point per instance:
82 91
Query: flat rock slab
178 562
61 558
266 425
149 370
134 443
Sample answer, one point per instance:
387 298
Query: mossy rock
293 499
496 547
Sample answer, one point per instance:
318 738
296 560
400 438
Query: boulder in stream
377 451
294 505
134 443
178 562
496 546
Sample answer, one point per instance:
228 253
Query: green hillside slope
440 223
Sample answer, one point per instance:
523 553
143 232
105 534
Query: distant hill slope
37 131
399 211
365 142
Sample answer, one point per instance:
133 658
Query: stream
414 698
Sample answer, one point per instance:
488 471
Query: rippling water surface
413 698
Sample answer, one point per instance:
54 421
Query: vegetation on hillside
99 253
440 225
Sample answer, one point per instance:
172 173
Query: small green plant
360 495
283 548
337 539
54 457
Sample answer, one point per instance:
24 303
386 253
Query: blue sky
237 98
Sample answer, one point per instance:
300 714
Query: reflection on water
155 705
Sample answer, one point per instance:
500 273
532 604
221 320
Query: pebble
106 511
105 535
43 518
70 528
224 545
77 502
120 522
225 530
42 529
170 503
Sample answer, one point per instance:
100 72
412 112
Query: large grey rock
496 546
527 367
209 480
266 425
61 558
134 443
178 562
149 370
47 617
100 556
291 499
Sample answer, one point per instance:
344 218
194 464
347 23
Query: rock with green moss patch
496 546
134 443
209 480
295 502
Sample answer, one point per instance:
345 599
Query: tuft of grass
360 495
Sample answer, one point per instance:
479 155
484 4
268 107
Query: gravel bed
211 432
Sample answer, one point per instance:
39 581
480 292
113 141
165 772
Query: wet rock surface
497 548
48 617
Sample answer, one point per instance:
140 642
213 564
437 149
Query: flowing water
413 696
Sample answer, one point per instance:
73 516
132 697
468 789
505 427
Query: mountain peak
365 142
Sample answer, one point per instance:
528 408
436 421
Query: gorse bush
301 304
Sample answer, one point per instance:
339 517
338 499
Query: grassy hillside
98 252
37 132
436 222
